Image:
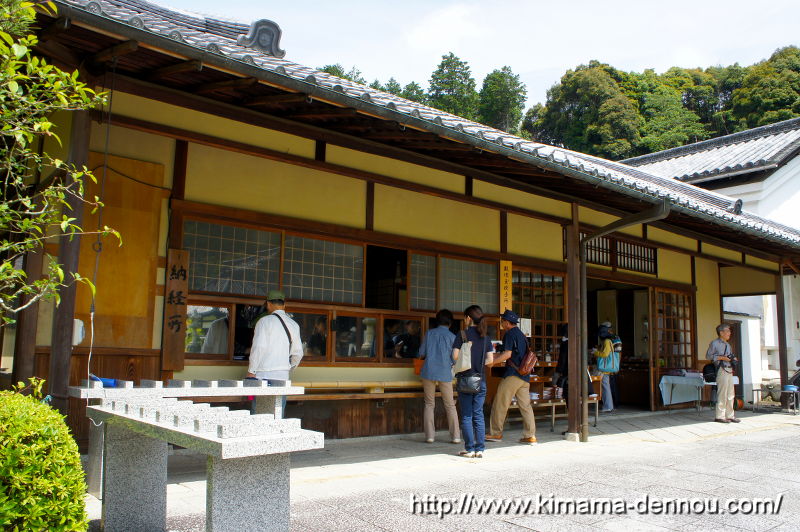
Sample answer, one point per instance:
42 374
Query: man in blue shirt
515 345
437 350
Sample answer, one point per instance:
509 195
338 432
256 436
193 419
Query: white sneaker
466 454
478 454
456 440
429 440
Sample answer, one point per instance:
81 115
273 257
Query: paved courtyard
368 483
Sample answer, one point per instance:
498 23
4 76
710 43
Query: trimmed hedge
41 479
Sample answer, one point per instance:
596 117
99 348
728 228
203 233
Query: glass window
401 338
207 329
322 270
233 260
539 301
246 318
313 332
423 282
464 283
355 337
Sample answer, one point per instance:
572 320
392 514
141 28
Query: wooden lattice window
620 254
674 330
539 297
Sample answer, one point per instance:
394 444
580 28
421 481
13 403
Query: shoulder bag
469 382
528 363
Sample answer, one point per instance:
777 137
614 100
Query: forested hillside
600 110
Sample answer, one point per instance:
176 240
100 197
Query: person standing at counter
473 425
437 371
277 348
514 384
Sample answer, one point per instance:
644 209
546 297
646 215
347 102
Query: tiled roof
223 38
754 150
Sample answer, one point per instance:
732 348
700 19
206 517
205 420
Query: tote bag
464 362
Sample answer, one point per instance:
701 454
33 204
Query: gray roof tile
753 150
202 32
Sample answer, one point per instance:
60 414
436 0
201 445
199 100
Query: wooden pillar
27 321
780 304
574 324
68 254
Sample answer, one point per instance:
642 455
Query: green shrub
41 479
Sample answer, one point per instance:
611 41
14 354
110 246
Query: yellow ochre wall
716 251
708 303
665 237
523 200
230 179
600 219
161 113
534 238
674 266
407 213
737 280
761 263
393 168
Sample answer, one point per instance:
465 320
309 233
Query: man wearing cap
277 348
514 384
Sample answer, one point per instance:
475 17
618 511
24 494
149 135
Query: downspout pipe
657 212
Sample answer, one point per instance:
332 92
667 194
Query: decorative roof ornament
264 36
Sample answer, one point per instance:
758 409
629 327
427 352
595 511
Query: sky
539 40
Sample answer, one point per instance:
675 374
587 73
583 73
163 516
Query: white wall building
761 167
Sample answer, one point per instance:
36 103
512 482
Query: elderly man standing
277 348
720 353
437 350
514 384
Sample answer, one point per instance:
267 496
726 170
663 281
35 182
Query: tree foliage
502 99
36 188
452 88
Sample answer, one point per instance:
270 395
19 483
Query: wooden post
780 304
574 325
68 254
27 321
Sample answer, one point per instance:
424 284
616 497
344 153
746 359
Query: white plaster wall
750 356
778 198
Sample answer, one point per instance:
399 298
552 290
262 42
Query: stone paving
367 483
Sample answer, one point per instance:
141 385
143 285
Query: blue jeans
608 395
473 426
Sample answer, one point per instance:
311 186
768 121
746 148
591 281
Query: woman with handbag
475 344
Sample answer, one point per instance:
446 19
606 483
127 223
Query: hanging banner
175 295
505 286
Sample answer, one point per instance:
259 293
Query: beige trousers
725 394
446 388
510 387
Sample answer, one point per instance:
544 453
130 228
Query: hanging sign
505 286
175 295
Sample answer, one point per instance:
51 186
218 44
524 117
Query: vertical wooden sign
175 295
505 286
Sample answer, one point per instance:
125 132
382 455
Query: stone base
249 493
572 436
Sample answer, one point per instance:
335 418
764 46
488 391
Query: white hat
606 324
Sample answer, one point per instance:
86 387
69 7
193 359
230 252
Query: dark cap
510 316
273 295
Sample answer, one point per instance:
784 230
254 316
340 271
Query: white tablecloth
676 389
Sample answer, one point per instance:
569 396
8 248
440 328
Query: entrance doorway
627 308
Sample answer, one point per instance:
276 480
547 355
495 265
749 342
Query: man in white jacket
276 348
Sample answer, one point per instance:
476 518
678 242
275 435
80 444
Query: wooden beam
69 250
780 306
237 83
574 343
114 51
327 114
56 51
60 25
184 66
179 169
275 99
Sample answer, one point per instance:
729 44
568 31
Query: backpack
528 363
710 373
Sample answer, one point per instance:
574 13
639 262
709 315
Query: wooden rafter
60 25
275 99
237 83
114 51
185 66
326 114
